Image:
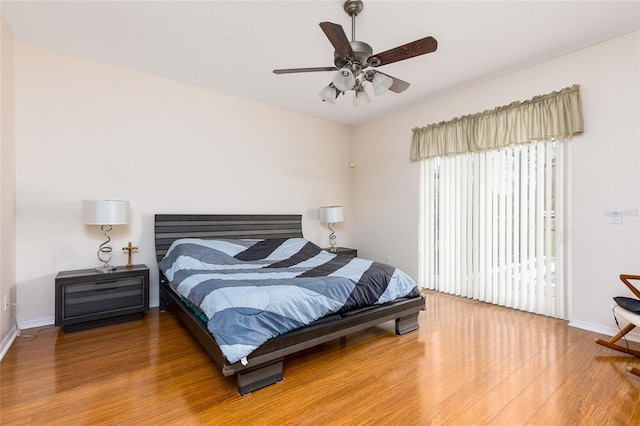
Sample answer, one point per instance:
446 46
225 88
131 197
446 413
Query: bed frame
265 364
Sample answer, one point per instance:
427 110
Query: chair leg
611 343
634 370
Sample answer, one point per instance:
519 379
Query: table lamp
105 213
331 215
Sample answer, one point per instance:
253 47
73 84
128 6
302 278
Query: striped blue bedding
253 290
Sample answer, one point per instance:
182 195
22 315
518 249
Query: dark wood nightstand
343 251
86 298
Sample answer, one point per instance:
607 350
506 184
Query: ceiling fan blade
406 51
398 85
338 38
295 70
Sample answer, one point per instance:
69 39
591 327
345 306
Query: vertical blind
492 226
493 190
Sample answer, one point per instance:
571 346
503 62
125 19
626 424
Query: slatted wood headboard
170 227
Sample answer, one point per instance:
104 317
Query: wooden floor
469 364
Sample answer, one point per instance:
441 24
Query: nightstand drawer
107 296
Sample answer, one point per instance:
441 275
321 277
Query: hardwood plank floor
470 363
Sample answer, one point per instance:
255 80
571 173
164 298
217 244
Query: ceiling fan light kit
360 97
329 94
344 80
355 62
381 83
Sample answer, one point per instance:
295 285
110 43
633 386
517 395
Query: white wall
90 131
7 185
86 130
605 169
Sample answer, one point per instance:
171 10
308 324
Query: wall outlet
6 302
388 260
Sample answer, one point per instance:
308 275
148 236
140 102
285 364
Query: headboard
170 227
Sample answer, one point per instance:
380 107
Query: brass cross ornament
129 248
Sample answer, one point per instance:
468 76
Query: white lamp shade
381 84
328 94
360 97
331 214
343 79
105 212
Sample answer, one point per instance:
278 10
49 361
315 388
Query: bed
233 236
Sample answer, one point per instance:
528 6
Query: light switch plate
615 217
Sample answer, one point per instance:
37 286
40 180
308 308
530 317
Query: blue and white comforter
253 290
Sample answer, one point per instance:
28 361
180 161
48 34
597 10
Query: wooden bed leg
260 377
163 305
407 324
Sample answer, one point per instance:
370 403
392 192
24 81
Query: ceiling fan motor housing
361 53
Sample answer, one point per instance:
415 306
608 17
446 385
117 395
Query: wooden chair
633 319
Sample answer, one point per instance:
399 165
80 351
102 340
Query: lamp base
106 268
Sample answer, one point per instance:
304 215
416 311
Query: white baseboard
7 341
634 336
40 322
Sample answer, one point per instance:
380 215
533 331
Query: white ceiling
232 46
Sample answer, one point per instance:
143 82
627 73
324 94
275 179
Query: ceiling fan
355 62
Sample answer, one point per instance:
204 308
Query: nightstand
86 298
343 251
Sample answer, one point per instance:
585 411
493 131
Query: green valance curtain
543 117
